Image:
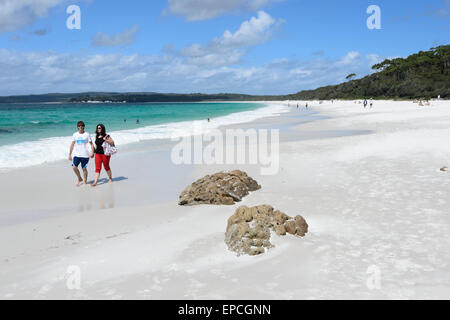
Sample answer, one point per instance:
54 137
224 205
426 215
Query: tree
350 76
383 65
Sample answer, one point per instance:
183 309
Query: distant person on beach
209 119
124 120
101 158
137 121
79 148
306 105
297 105
371 103
365 103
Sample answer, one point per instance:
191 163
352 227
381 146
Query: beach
367 181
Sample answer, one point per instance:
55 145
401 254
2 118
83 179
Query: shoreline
366 181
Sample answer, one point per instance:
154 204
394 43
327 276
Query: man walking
79 147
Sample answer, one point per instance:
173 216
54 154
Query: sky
207 46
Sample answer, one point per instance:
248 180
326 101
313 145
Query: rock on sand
249 229
219 188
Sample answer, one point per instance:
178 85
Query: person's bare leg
109 176
97 175
77 173
85 173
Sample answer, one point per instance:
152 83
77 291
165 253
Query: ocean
33 134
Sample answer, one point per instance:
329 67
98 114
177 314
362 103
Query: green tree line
421 75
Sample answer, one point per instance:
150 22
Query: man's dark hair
80 123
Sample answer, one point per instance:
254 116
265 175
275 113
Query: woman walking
100 157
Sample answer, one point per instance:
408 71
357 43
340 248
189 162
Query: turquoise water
29 122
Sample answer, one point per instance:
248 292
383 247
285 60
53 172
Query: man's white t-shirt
82 140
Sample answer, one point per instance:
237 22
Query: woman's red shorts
99 159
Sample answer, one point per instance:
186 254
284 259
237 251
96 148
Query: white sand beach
367 181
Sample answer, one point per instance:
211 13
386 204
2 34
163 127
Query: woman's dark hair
103 133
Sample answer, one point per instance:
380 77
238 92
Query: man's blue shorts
77 161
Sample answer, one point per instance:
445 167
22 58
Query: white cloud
250 33
195 10
300 73
256 4
15 14
374 59
164 73
122 38
350 58
231 47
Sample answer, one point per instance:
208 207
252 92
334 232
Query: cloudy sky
209 46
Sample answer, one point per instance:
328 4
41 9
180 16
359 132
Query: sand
366 180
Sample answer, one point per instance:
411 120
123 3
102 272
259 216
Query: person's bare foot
94 184
110 181
78 183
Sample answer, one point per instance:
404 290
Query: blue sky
246 46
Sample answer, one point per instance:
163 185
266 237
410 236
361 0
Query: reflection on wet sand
89 198
83 198
106 197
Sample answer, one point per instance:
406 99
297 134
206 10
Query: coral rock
249 229
220 188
